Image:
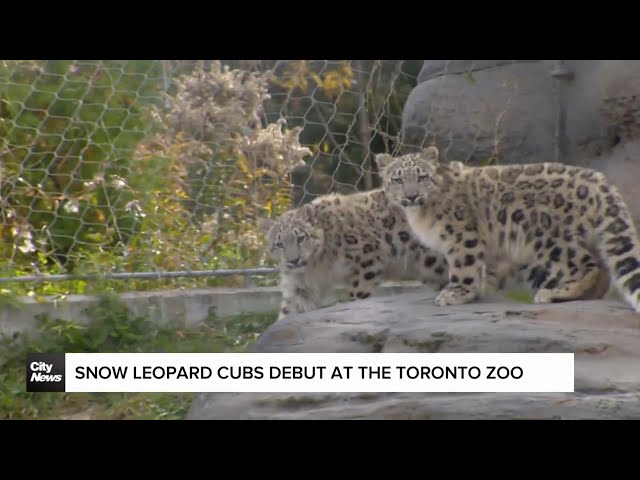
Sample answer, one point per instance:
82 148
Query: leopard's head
294 238
413 179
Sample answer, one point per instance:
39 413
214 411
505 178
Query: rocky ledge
604 335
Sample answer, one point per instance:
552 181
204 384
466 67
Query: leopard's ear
430 154
454 168
308 213
265 224
383 160
456 165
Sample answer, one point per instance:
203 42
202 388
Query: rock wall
507 110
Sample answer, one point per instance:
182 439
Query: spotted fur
355 240
566 225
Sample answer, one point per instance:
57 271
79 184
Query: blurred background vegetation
156 166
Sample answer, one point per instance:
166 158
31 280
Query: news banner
300 372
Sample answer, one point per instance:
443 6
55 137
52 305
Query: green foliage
130 166
67 134
349 111
114 329
520 296
101 171
219 170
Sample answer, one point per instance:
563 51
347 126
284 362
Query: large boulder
603 334
622 168
507 111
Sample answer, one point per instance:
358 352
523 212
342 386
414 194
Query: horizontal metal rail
245 272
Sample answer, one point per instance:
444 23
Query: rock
507 110
434 68
622 168
617 83
603 334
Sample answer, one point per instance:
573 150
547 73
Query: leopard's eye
278 245
422 178
301 238
396 180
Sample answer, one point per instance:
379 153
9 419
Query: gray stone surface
475 109
604 335
434 68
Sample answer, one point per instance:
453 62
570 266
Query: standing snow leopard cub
567 225
353 240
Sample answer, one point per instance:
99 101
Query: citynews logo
45 372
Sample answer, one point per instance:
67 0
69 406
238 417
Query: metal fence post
562 76
165 75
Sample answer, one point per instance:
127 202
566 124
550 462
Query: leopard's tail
619 245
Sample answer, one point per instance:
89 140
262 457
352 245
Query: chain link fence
137 175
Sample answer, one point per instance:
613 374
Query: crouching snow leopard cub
353 240
568 226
